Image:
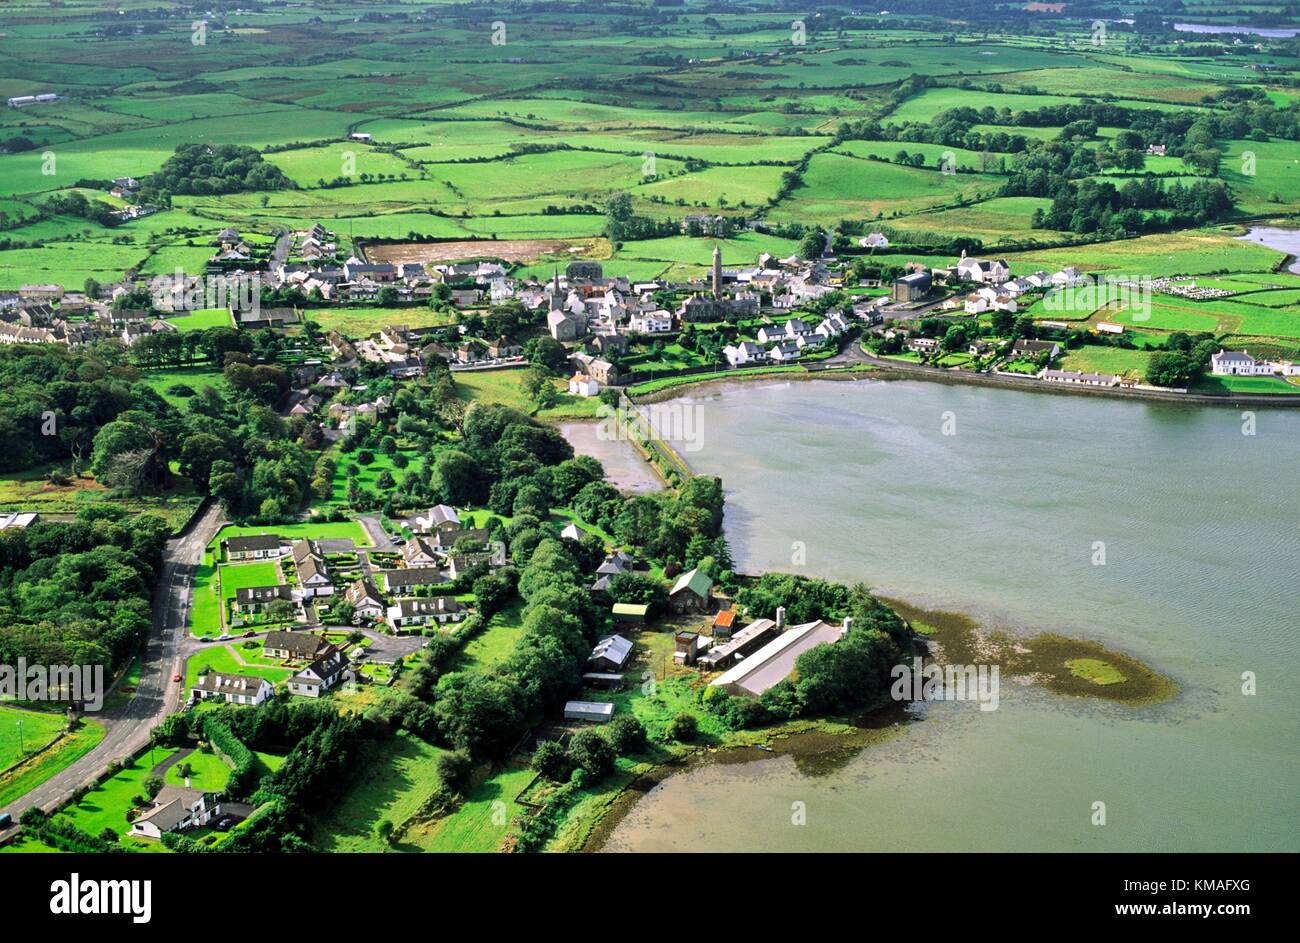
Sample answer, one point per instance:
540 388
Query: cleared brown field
509 250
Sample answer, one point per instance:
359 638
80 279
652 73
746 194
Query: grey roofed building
746 640
302 645
414 576
775 661
614 650
431 606
177 806
261 595
596 711
252 544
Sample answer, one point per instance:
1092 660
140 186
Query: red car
176 677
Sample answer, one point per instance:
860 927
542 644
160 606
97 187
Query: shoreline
824 738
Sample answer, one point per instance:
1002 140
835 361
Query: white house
1068 276
784 351
651 322
772 333
321 675
175 808
233 689
742 353
1232 363
992 271
875 240
257 547
976 303
580 384
423 610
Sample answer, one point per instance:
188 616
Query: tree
551 760
590 751
626 734
683 728
280 612
457 477
1171 368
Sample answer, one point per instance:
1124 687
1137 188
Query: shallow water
1002 520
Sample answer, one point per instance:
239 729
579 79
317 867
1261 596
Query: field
33 730
1117 360
106 805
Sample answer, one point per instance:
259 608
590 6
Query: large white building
1238 363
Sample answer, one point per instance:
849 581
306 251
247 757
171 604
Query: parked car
176 678
225 823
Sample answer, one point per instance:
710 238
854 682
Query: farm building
775 661
595 711
634 613
692 592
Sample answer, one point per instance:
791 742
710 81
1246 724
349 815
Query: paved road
128 726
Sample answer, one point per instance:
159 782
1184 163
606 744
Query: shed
630 612
596 711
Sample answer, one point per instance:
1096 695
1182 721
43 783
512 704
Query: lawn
201 320
1117 360
493 644
391 784
207 772
106 805
33 729
482 821
313 530
224 659
361 322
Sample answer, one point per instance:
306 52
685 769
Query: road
127 727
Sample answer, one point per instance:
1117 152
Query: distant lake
1283 240
1252 30
999 521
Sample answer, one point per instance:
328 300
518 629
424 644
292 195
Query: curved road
127 727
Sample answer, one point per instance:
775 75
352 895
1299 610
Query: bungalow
321 675
1083 379
775 661
176 808
254 599
257 547
1025 348
1231 363
233 689
365 599
445 540
692 592
611 654
421 611
300 646
922 345
398 580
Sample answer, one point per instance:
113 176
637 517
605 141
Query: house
692 592
299 646
784 351
1230 363
774 333
975 303
1081 379
912 287
254 599
256 547
176 808
742 353
440 518
992 271
603 372
397 580
874 240
423 610
445 540
775 661
595 711
365 599
1033 349
233 689
322 674
418 551
651 322
580 384
313 578
922 345
1068 276
611 654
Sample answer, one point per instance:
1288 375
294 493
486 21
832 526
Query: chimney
780 617
848 624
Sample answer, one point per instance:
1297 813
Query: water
1283 240
1271 33
1000 521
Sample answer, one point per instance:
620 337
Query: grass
397 776
493 644
482 822
207 772
1117 360
38 729
106 805
316 530
19 781
224 659
1095 670
31 490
